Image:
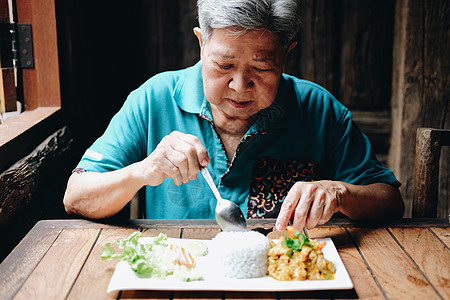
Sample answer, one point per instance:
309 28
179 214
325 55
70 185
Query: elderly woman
278 146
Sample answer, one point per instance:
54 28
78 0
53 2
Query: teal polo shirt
306 134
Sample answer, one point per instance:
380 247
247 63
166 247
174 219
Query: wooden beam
19 182
426 176
21 134
4 11
41 85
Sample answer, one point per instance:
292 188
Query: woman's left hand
309 204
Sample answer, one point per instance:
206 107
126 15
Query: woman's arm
101 195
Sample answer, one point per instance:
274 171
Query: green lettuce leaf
139 256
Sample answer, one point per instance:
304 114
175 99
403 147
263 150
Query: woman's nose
240 82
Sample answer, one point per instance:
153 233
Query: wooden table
60 259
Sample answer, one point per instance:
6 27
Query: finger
177 179
316 211
176 161
183 155
293 208
168 169
302 211
180 159
178 152
288 207
195 152
202 154
328 210
192 152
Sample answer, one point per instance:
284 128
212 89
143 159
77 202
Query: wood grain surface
60 259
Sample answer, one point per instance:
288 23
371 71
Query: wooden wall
421 88
346 46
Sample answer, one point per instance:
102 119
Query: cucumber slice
195 248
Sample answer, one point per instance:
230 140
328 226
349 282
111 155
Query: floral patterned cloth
271 182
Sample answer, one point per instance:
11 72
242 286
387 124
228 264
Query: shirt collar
188 91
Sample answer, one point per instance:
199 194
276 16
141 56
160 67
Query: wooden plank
8 93
443 234
430 254
20 124
4 11
163 223
315 57
364 285
23 133
396 275
425 222
93 280
406 222
377 126
346 46
170 232
365 34
86 224
41 84
200 233
426 173
59 268
17 266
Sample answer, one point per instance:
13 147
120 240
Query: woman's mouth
239 104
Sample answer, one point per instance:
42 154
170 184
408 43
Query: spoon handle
210 182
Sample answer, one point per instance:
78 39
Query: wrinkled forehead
263 43
236 32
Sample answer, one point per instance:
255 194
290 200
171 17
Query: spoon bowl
229 216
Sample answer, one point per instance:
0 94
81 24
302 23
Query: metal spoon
229 217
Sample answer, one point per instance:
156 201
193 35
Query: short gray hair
280 17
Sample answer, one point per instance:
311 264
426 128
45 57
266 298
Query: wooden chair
426 174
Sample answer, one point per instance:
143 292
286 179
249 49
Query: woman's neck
230 131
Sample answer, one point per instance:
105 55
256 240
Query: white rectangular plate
125 279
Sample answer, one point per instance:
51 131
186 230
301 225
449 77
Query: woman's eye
262 70
225 66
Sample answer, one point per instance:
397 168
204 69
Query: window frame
41 86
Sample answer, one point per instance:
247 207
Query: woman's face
241 73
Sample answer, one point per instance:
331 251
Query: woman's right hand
178 156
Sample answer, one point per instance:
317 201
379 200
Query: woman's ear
198 34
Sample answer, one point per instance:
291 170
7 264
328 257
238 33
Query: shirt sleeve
352 157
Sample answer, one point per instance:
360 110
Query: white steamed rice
241 254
